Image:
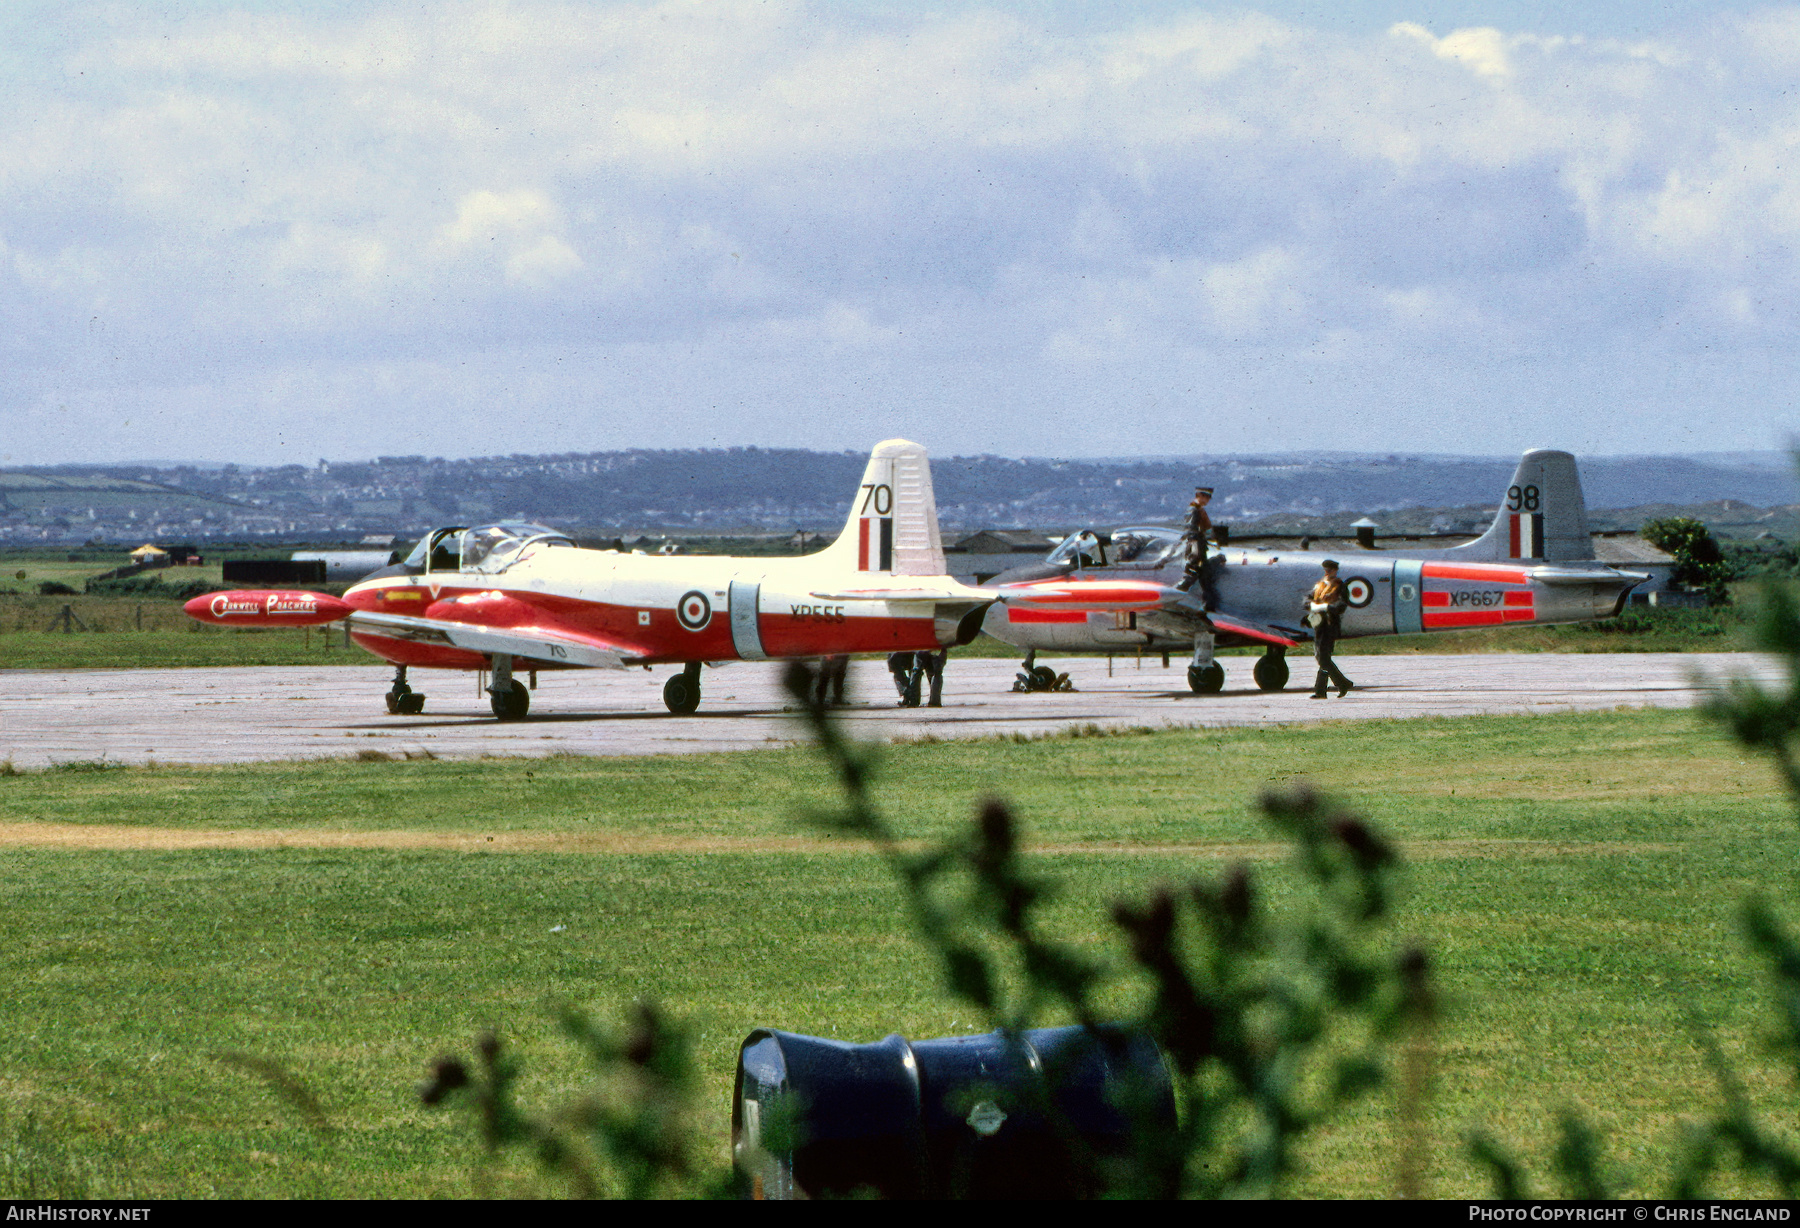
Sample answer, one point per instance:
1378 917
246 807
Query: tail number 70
1521 498
883 498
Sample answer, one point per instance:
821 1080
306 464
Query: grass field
1576 879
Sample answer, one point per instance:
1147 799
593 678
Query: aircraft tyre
680 695
1271 672
1206 680
512 703
404 701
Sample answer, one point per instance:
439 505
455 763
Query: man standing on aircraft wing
1194 539
1325 607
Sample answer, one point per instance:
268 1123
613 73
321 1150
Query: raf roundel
1358 591
693 610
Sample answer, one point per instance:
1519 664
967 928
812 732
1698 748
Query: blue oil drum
1036 1114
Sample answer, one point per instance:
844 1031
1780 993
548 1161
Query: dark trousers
1324 640
1201 571
832 673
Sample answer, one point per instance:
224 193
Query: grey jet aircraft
1535 565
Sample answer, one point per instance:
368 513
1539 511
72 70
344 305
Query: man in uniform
1194 538
1325 607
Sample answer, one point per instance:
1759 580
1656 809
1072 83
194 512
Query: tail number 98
1521 498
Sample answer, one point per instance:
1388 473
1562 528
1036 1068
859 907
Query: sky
270 233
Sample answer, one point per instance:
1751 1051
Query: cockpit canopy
1141 547
488 548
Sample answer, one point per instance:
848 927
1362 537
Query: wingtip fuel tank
266 608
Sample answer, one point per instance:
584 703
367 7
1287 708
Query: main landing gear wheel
1206 679
681 694
512 702
1271 672
1043 678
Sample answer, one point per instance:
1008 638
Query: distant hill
778 490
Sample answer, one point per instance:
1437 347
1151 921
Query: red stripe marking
1519 616
1434 598
1520 598
862 545
1475 571
1109 595
1513 531
1464 618
1016 615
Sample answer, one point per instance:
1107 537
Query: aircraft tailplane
1542 515
893 525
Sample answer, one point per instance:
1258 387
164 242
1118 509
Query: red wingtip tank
267 608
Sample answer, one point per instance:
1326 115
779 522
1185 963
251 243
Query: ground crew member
832 673
905 668
1194 539
1325 607
933 665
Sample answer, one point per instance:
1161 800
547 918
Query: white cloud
1141 195
545 261
1482 49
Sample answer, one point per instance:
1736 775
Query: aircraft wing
519 641
946 593
1230 624
1577 575
1142 596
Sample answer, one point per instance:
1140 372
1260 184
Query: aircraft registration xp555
517 597
1534 565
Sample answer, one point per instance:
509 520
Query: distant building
980 557
1004 541
1627 551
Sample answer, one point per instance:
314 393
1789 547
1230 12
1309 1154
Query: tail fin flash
893 527
1543 515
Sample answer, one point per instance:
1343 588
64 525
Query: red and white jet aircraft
521 597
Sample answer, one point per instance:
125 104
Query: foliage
1763 720
1769 559
627 1136
1272 1020
1655 622
1699 565
1768 721
153 586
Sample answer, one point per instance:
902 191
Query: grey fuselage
1389 594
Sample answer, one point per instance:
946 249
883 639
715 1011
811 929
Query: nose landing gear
1205 676
402 700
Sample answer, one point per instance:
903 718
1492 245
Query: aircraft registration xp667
1534 565
516 597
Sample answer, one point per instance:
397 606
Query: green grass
1575 877
148 633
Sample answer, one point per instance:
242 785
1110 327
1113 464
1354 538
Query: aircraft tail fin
1542 516
893 525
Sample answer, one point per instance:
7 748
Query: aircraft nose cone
200 608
